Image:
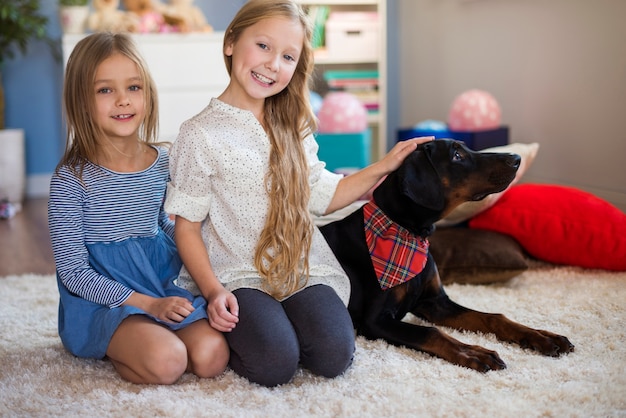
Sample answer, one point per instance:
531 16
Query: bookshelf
329 62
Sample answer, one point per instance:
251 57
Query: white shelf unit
378 122
188 70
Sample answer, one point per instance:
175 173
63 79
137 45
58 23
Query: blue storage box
345 151
474 140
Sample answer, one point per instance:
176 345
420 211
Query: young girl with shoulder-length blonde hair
245 180
113 245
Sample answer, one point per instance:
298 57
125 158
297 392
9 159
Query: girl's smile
123 116
262 79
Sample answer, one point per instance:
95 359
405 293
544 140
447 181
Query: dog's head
437 177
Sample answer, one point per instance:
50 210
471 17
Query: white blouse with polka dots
217 168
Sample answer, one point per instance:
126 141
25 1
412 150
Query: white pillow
468 210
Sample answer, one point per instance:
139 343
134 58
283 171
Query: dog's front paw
478 358
548 343
473 357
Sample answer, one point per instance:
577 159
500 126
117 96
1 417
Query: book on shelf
319 16
361 83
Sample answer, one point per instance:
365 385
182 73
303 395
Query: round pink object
342 112
474 110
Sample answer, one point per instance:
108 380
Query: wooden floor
25 242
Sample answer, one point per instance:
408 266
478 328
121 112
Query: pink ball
474 110
342 112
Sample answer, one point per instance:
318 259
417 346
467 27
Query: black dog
432 181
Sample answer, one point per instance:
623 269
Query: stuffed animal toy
193 20
107 17
150 19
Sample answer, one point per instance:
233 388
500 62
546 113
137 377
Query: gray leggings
312 328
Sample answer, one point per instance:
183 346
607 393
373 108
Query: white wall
556 67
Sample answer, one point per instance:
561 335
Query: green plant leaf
20 21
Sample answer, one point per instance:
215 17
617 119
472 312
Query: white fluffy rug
39 378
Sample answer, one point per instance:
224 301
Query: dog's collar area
397 255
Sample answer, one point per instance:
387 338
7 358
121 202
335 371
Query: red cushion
561 225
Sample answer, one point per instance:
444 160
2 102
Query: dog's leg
433 341
442 311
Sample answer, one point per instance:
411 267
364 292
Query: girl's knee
264 345
342 361
325 330
277 371
166 364
210 357
144 352
331 358
268 364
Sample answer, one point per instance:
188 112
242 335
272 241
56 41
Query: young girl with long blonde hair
112 241
245 180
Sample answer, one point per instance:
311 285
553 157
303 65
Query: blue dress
110 237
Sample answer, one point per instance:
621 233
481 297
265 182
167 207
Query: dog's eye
457 156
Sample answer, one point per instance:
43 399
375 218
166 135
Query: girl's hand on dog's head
401 150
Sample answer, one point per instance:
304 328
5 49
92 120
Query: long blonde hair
79 104
282 252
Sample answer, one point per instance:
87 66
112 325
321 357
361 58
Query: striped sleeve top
106 206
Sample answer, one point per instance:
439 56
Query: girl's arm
223 309
71 257
351 187
166 224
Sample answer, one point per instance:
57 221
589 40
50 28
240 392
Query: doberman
430 183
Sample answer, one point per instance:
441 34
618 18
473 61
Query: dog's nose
514 160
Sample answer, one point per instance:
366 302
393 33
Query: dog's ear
420 181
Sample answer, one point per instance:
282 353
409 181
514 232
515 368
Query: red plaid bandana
397 255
